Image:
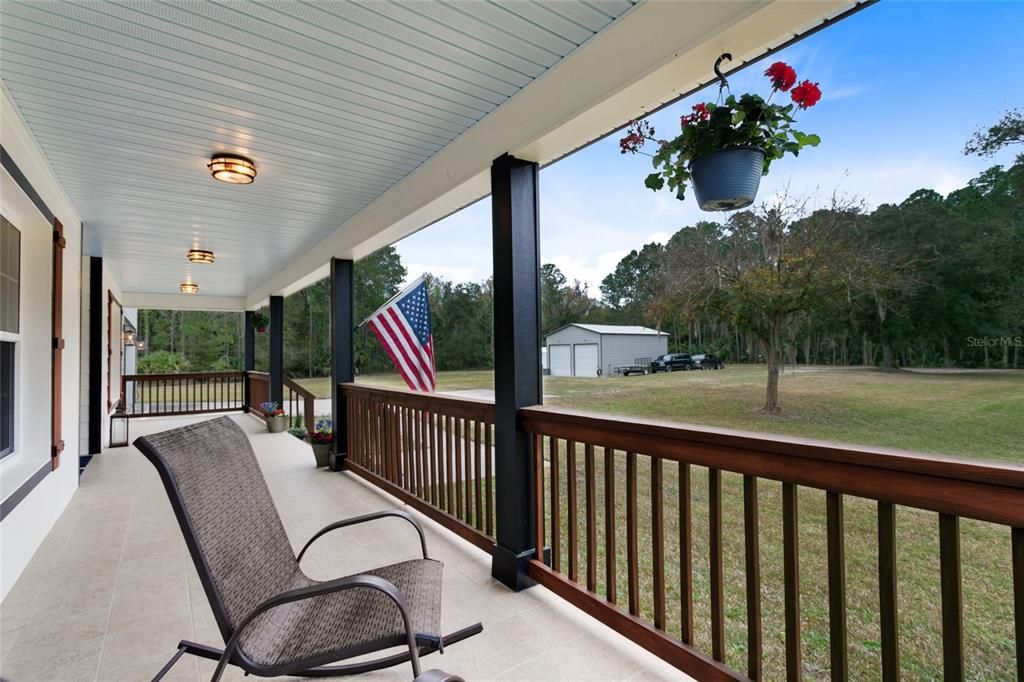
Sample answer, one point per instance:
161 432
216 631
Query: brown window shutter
58 340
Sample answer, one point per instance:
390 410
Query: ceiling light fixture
232 168
189 288
200 256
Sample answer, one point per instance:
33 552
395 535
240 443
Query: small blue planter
727 179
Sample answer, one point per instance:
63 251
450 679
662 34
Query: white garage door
560 361
585 359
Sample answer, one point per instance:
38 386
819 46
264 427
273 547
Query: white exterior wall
22 530
571 336
619 350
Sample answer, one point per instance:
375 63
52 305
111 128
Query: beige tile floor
112 589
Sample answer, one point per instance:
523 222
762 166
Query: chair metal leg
423 649
170 664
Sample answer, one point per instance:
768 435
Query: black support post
517 369
96 347
248 355
277 349
342 362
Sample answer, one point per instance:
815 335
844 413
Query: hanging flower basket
727 179
724 148
260 322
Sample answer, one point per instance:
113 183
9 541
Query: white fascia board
139 300
647 57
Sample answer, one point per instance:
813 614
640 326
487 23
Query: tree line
931 281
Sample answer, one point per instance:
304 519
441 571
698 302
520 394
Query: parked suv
707 361
673 362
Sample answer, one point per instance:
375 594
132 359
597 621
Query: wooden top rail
989 491
464 408
184 375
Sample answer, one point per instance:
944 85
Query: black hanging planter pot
727 179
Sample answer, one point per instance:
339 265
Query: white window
10 308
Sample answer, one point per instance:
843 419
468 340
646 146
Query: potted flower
274 415
260 322
725 148
321 439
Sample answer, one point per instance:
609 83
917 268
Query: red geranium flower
806 95
782 76
700 113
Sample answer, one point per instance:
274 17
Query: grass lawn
974 415
971 415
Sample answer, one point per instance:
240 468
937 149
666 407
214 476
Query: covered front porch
113 583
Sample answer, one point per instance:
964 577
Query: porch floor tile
112 589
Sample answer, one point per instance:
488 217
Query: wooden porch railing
433 452
157 395
596 474
161 395
297 399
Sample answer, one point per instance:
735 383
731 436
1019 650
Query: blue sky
905 84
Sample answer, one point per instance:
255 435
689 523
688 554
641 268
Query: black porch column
277 349
517 370
248 354
342 362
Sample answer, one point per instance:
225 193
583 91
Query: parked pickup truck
673 362
707 361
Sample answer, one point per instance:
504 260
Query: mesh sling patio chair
274 619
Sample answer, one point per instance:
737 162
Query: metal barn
590 350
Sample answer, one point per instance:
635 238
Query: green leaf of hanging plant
738 116
654 181
812 140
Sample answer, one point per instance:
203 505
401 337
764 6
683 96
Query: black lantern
118 429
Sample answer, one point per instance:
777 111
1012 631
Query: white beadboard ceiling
367 119
334 101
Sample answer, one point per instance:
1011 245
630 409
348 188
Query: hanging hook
722 82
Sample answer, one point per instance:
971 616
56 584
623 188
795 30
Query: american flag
403 327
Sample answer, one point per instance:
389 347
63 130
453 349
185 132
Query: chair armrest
398 513
329 587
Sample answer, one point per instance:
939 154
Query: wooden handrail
466 408
989 491
184 375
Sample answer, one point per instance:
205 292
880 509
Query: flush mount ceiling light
189 288
232 168
200 256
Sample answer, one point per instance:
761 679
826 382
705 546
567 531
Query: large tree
765 269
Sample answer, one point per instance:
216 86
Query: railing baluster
573 509
591 512
715 556
459 476
888 606
538 487
556 508
685 556
791 579
837 635
632 546
435 482
1017 559
468 466
489 490
609 525
952 600
478 469
752 557
658 540
450 449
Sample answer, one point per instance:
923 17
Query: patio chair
274 619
